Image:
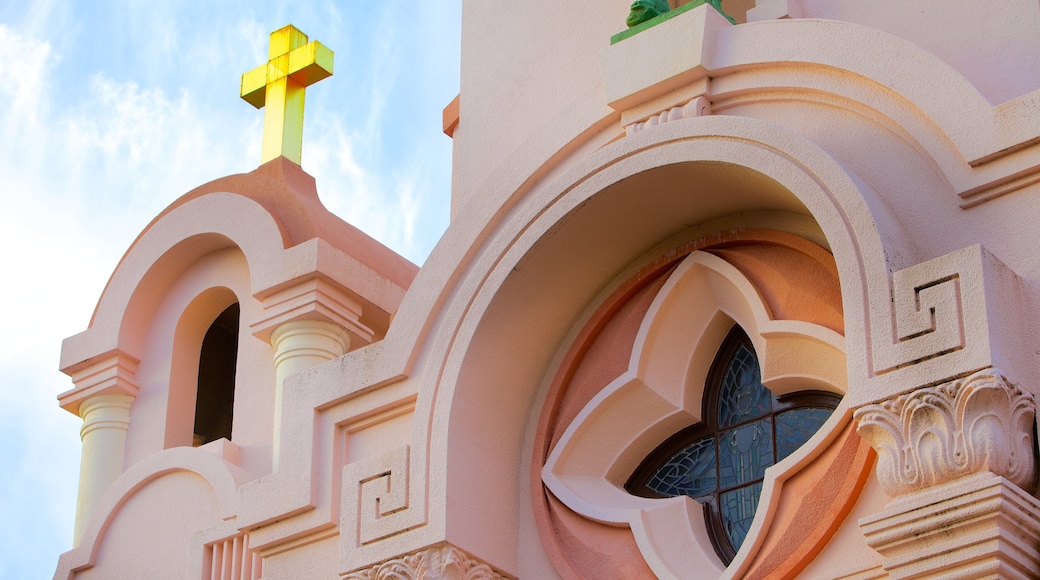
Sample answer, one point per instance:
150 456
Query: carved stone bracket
113 374
314 298
934 435
442 562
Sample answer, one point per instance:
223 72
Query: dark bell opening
215 402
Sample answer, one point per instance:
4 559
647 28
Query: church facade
751 290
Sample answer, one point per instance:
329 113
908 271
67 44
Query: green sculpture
643 10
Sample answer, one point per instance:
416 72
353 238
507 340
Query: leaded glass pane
742 396
737 508
747 429
745 452
795 427
690 472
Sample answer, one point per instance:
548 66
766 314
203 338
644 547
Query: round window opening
721 461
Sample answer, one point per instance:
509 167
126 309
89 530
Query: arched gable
280 227
222 478
262 240
274 218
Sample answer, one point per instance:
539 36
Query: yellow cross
293 65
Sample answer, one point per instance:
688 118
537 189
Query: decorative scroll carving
443 562
698 107
934 435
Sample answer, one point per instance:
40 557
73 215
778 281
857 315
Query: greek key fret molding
442 562
377 489
378 502
981 423
928 320
941 320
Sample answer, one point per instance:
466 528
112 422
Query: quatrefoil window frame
661 392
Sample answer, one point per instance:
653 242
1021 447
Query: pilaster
105 388
106 419
310 322
299 345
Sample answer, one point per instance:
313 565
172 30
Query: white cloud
25 62
145 143
352 186
79 184
84 181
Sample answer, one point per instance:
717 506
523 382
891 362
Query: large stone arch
559 248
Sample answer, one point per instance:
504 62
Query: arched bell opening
215 394
203 370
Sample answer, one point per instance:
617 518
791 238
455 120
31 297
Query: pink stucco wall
393 416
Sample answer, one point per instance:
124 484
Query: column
298 345
106 419
958 460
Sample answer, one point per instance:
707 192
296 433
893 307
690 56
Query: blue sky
111 110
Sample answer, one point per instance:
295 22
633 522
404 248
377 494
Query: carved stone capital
442 562
113 374
313 299
934 435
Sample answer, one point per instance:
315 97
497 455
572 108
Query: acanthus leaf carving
931 436
443 562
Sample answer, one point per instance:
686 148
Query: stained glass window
721 462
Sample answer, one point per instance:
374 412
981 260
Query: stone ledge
980 526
